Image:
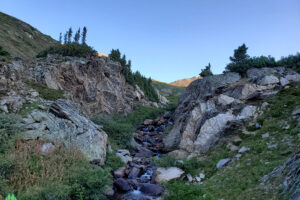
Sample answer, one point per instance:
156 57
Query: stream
135 182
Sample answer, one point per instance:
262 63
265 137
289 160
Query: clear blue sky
171 39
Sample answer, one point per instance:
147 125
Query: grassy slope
169 91
20 39
241 179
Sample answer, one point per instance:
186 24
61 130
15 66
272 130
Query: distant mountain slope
20 39
184 82
169 91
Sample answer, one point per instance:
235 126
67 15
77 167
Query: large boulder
166 174
210 131
64 124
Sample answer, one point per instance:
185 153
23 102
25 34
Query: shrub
113 162
70 49
206 71
291 61
254 62
47 93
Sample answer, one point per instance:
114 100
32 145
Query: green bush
291 61
47 93
113 162
206 71
72 49
254 62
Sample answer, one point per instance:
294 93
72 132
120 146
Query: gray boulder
63 124
223 163
267 80
209 132
248 111
167 174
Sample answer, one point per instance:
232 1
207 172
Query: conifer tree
206 71
240 54
70 35
77 36
66 38
60 38
84 32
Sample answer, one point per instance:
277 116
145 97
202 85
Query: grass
63 174
241 179
120 128
45 92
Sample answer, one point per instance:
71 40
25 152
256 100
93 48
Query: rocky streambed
138 180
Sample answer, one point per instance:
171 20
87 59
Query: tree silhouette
84 32
60 38
70 35
77 36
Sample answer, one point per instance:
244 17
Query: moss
28 107
47 93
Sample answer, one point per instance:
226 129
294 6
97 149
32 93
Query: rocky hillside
21 39
215 104
96 85
237 134
184 82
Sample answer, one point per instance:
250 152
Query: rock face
95 85
64 124
212 107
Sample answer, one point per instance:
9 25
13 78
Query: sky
171 39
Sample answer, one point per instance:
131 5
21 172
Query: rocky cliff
95 85
214 106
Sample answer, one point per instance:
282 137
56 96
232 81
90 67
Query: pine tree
84 32
77 36
206 71
115 55
240 54
60 38
70 35
66 38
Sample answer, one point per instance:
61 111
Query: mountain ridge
21 39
